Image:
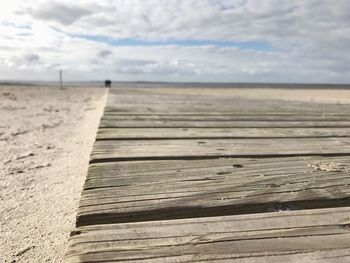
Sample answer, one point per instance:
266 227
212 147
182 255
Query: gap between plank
166 158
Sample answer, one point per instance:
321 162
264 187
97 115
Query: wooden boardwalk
201 175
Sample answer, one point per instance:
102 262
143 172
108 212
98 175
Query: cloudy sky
176 40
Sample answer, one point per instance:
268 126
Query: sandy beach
46 135
313 95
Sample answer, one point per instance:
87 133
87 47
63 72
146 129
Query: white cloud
310 39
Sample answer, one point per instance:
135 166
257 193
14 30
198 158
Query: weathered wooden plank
155 190
150 108
220 103
245 114
226 117
207 133
110 123
110 111
199 96
305 236
200 100
193 153
246 169
204 148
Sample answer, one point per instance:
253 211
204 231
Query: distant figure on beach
108 83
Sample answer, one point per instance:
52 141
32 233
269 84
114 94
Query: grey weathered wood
204 100
155 190
295 236
206 133
205 148
244 114
110 123
233 106
111 111
236 107
226 117
206 159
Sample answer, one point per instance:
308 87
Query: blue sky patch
253 45
9 24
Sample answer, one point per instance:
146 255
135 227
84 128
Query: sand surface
46 137
333 96
312 95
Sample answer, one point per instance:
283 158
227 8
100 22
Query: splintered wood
201 175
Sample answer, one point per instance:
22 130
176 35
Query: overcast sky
176 40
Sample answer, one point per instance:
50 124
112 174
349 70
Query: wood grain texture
234 106
295 236
216 133
222 100
227 117
110 123
204 148
158 190
205 175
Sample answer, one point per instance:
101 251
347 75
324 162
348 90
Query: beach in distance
46 137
